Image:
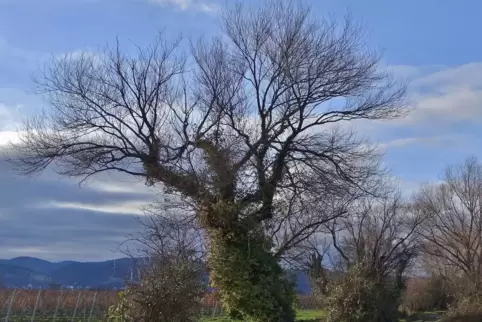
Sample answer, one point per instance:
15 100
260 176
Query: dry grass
66 300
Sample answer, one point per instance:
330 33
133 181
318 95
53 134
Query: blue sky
434 44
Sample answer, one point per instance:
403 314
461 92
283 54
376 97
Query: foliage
251 283
358 297
169 291
301 316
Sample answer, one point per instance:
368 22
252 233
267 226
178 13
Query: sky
433 44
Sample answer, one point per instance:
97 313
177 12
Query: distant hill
21 272
35 272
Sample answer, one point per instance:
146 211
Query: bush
466 305
467 299
359 298
169 291
425 294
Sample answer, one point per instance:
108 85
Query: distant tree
169 230
318 274
244 121
376 243
170 266
453 233
380 233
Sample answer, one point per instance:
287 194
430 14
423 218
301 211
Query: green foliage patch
252 285
301 316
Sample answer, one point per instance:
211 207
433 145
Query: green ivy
251 284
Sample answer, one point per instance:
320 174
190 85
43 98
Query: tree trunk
249 279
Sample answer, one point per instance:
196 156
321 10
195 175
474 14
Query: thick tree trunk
249 279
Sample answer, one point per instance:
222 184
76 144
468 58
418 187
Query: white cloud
196 5
446 97
461 104
7 137
120 208
399 143
431 141
119 187
443 101
15 104
448 79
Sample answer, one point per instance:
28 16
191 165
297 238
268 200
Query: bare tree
453 234
170 258
303 213
315 262
381 234
376 244
170 230
246 118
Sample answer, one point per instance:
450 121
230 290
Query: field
92 306
302 316
61 304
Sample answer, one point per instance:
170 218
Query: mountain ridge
24 271
32 272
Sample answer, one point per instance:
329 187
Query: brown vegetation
65 300
25 300
425 294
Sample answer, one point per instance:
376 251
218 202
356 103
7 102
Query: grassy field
316 316
423 317
304 315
